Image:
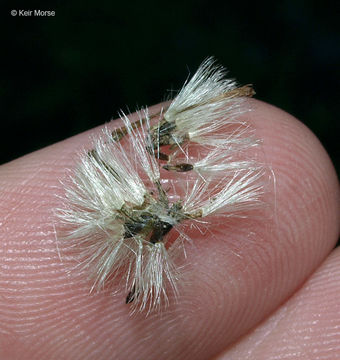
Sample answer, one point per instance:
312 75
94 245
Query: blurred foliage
68 73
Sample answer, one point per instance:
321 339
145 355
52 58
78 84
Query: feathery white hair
119 207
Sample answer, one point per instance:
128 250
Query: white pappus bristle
120 209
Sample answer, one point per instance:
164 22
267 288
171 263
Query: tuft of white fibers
205 106
127 199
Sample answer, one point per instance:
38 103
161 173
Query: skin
258 289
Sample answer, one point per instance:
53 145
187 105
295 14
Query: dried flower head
121 206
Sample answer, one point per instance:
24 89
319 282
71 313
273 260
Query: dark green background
66 74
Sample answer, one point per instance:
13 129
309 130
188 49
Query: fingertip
234 279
